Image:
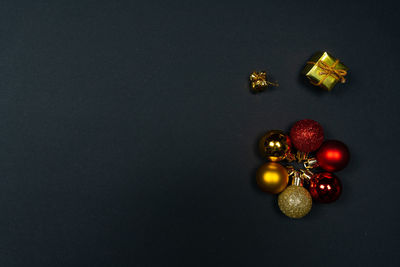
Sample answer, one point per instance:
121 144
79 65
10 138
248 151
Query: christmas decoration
307 135
272 177
310 163
259 81
325 71
274 145
295 201
333 156
325 187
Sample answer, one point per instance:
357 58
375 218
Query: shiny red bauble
307 135
333 156
325 187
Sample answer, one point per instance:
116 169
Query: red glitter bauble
333 156
325 187
307 135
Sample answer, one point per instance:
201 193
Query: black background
128 132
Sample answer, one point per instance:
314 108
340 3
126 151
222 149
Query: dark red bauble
307 135
325 187
333 156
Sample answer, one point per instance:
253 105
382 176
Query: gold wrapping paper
259 81
325 71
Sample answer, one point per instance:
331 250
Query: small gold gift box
259 81
325 71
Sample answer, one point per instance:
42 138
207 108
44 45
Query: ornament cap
311 163
290 169
306 174
297 179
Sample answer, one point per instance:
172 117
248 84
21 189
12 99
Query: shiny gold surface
306 175
259 81
274 145
297 179
310 163
316 74
291 170
295 202
272 177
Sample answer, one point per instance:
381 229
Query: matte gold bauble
274 145
295 202
272 177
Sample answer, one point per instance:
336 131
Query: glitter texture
295 202
307 135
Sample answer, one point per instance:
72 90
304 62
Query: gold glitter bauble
272 177
274 145
295 202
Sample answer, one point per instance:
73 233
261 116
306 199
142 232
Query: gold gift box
325 71
259 81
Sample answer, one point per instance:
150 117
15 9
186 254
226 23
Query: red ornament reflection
325 187
333 156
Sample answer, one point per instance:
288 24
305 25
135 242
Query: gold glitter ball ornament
274 145
272 177
295 202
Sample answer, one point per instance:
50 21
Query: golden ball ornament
272 177
274 145
295 202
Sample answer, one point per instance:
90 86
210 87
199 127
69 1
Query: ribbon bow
255 76
329 70
259 81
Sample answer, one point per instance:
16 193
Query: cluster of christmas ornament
314 180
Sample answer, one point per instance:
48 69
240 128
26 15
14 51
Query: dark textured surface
128 134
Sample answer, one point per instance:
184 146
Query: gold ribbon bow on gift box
325 71
329 70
